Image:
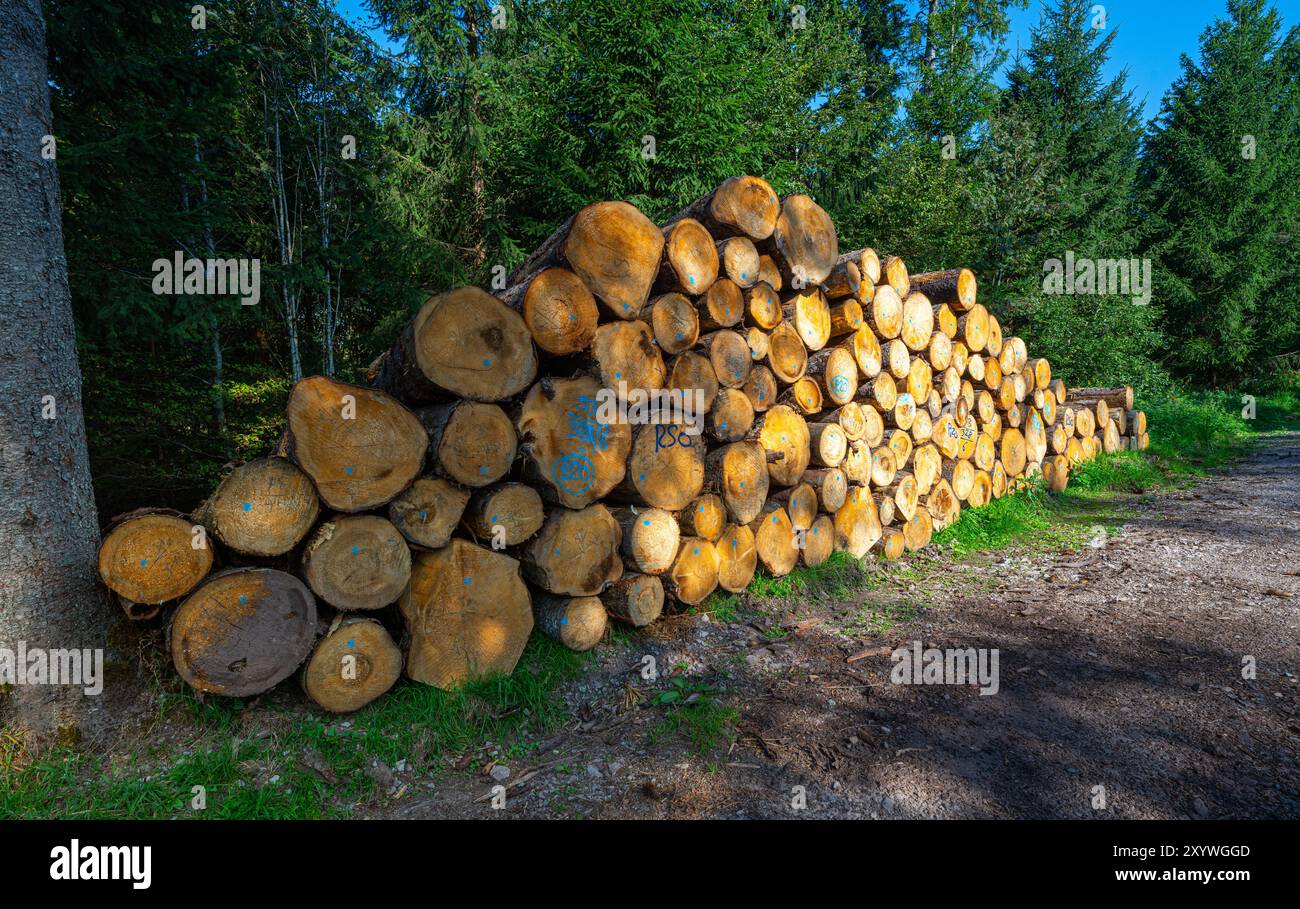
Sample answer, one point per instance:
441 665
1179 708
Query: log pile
645 414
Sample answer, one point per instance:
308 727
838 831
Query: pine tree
1222 198
1080 136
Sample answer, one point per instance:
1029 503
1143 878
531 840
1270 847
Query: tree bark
48 523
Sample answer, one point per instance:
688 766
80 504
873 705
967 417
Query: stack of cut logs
504 468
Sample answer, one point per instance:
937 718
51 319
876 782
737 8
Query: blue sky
1151 34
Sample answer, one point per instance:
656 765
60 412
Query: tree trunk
48 523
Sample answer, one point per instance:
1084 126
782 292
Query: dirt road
1121 689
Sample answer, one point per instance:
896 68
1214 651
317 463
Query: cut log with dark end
576 622
576 553
470 442
579 457
737 557
954 288
359 446
943 505
243 631
504 515
844 280
559 310
468 615
690 260
151 558
804 244
625 352
738 473
694 574
728 351
846 318
635 599
357 562
354 663
428 511
463 343
649 538
262 508
613 247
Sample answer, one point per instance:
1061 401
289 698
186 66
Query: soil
1125 687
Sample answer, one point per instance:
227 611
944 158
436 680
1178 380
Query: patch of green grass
264 776
694 709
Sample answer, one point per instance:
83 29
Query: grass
265 776
264 768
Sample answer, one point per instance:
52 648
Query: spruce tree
1221 197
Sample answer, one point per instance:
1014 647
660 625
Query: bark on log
576 622
635 599
954 287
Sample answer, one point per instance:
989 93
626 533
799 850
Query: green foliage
694 709
1222 197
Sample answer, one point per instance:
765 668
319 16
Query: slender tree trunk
477 182
49 595
218 361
